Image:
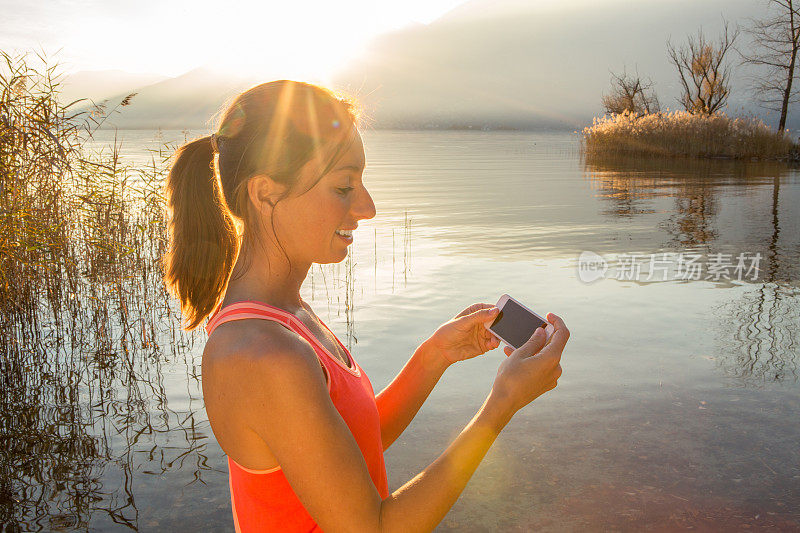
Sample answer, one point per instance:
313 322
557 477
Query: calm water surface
679 403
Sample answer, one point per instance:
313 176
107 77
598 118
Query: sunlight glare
320 40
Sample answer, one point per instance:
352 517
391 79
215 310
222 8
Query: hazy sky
524 63
295 38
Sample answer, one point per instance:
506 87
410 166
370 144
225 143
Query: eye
344 190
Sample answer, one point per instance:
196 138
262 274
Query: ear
262 189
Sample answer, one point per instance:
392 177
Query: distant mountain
531 65
99 84
184 102
487 64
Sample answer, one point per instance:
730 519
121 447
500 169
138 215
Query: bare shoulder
243 356
255 374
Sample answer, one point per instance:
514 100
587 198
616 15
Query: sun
308 40
312 48
305 60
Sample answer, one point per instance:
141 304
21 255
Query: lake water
679 403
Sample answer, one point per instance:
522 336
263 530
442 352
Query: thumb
532 345
483 315
478 317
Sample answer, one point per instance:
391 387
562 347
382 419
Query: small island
635 125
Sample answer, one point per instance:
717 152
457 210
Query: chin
335 259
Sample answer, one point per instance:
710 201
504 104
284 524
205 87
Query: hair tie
214 145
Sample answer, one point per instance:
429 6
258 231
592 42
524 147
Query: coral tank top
263 500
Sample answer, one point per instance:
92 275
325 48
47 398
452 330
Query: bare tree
704 71
776 40
632 94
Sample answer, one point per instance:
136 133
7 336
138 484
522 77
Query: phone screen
515 324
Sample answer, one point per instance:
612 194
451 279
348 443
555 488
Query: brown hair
273 129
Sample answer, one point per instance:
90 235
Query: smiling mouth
345 235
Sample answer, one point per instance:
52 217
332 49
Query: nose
365 207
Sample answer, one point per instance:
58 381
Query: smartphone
515 323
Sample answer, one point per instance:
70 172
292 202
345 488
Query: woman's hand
465 336
532 369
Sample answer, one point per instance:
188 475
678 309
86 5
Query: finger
558 325
490 311
487 341
549 329
552 385
508 350
472 308
558 341
556 320
485 315
493 342
534 344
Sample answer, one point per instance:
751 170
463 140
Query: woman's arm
282 396
423 502
400 401
461 338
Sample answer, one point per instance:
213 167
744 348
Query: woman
279 187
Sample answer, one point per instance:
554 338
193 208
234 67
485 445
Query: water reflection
715 204
84 403
757 331
102 423
87 332
629 183
758 334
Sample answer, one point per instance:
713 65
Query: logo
591 267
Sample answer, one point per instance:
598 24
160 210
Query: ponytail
273 129
203 238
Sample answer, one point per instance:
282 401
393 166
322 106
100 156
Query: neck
260 275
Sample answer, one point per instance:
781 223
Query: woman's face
307 225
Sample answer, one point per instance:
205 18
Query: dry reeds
86 324
680 133
85 321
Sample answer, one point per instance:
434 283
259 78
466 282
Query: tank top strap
243 310
253 309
